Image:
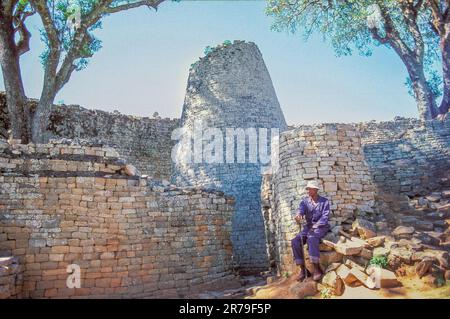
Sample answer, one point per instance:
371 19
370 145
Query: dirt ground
412 288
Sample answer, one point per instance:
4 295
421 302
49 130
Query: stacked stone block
144 142
11 278
329 153
230 88
408 156
131 236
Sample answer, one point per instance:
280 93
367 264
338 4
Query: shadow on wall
130 236
231 88
142 141
330 153
411 159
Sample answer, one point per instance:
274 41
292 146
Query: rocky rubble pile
376 257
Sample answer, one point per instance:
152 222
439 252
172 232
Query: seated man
314 210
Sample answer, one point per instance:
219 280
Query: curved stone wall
63 205
329 153
230 88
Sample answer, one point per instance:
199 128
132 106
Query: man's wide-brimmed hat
312 184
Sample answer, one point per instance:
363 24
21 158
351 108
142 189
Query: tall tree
440 24
68 27
14 42
402 25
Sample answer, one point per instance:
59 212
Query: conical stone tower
230 90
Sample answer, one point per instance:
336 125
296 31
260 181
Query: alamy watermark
374 17
202 144
74 279
73 15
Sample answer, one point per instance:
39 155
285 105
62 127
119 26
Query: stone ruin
107 196
329 153
65 204
230 89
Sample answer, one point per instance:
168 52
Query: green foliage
208 50
67 16
22 5
326 293
193 65
379 261
347 26
434 81
440 281
286 274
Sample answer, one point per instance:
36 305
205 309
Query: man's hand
299 218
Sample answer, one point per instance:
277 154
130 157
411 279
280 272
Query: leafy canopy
68 16
347 25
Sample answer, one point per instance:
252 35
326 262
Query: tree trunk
424 96
445 47
42 114
16 100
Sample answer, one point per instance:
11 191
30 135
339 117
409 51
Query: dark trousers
311 237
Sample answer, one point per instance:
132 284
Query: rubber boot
317 272
302 274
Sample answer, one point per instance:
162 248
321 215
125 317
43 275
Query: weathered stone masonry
231 88
407 156
144 142
330 153
11 277
366 169
362 166
132 237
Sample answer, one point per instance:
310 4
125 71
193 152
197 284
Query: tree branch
438 18
83 38
41 7
446 14
378 37
417 7
410 19
392 34
74 53
23 45
52 33
149 3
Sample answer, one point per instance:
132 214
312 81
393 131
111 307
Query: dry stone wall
358 164
131 236
230 88
367 170
11 278
329 153
144 142
407 156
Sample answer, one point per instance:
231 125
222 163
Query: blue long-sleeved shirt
317 216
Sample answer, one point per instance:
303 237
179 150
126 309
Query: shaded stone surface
230 88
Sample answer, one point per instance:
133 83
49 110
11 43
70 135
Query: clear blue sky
143 65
